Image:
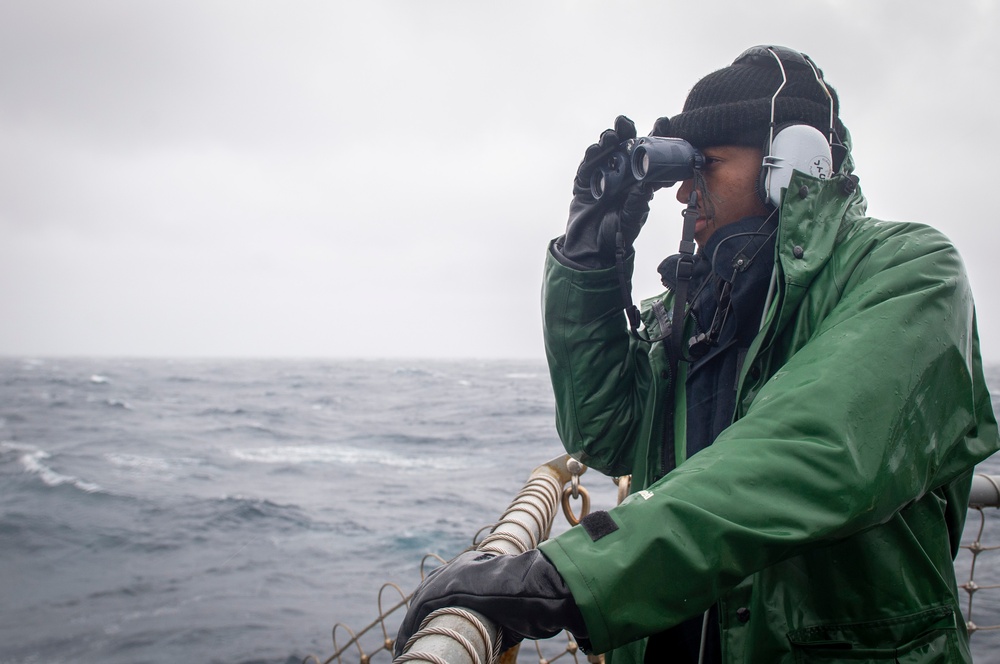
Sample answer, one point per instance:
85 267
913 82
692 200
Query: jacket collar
814 215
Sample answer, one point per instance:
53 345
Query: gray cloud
381 178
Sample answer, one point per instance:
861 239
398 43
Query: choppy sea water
232 511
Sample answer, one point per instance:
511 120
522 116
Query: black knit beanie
732 106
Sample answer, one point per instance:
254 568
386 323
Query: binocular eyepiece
652 160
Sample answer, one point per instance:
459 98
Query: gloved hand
589 242
524 594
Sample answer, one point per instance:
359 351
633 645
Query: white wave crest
32 460
136 462
146 469
342 455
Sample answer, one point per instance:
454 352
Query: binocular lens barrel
612 176
650 160
659 160
643 161
598 184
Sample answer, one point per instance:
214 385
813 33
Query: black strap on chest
685 268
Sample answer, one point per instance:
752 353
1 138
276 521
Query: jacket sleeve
598 375
882 403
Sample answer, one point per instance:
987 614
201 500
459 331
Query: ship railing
985 493
460 636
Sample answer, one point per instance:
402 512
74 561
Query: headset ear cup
762 176
795 147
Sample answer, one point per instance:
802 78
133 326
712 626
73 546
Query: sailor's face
730 193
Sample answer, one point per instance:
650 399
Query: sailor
800 412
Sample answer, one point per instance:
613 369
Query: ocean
233 511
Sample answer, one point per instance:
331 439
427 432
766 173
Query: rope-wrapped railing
450 636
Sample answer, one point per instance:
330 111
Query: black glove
589 242
523 594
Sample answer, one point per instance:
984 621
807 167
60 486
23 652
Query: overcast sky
380 179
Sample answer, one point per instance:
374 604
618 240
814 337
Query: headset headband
763 56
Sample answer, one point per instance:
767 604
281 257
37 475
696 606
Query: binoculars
652 160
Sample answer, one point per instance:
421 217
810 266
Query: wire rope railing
985 494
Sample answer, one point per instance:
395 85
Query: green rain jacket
825 520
